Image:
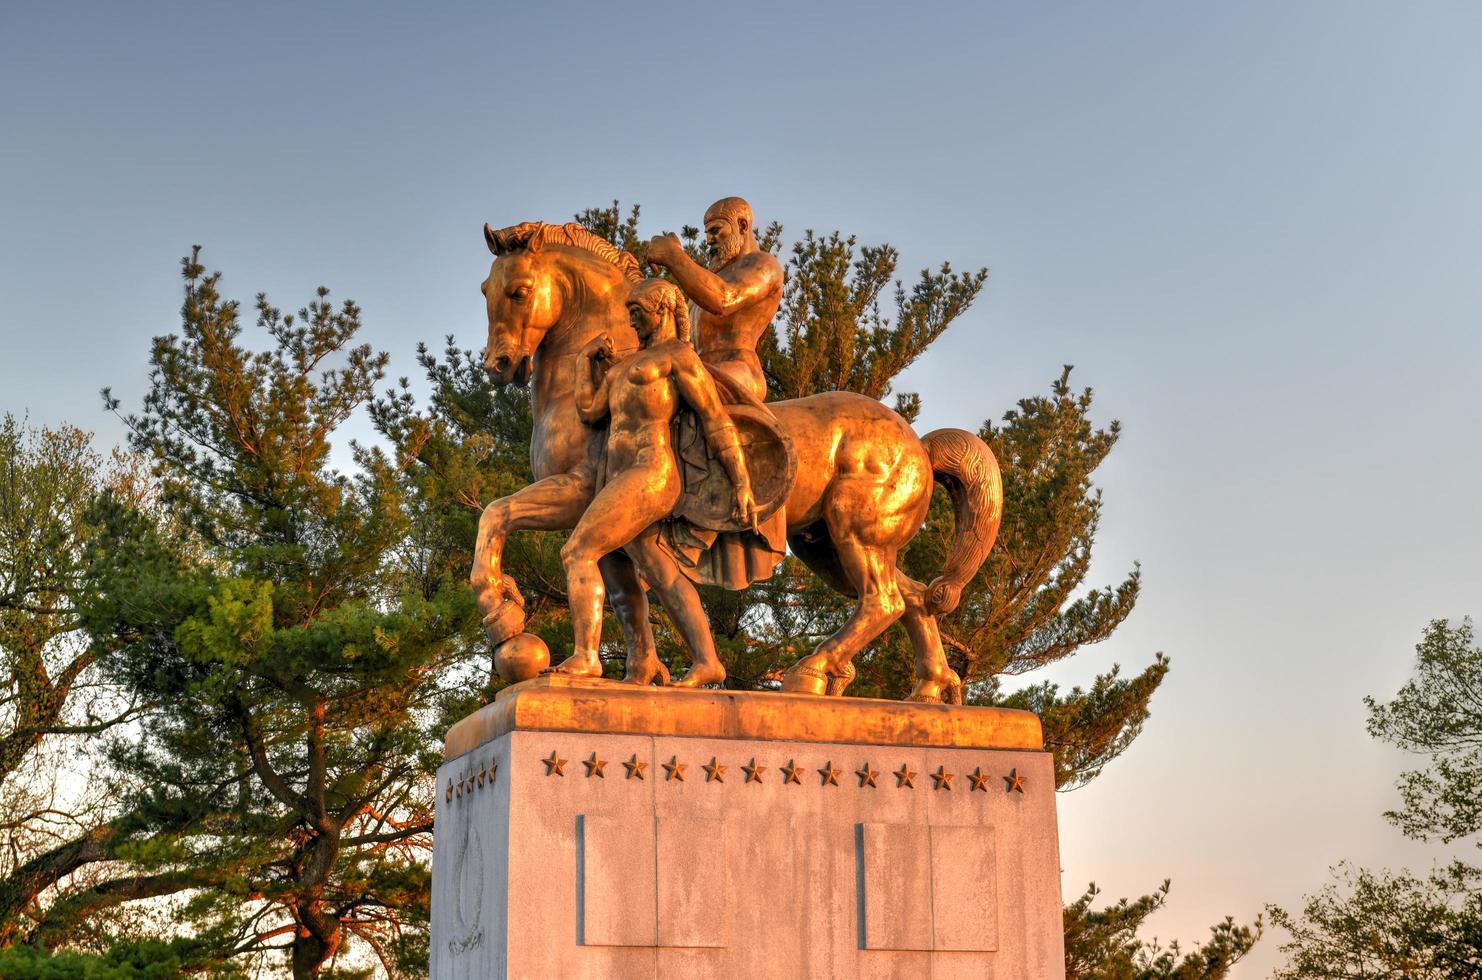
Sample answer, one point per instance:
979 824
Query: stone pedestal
595 830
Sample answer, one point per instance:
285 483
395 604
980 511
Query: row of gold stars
829 775
470 781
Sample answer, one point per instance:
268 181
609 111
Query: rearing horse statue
863 487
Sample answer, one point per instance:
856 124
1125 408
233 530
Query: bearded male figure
737 296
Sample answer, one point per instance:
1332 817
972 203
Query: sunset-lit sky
1255 229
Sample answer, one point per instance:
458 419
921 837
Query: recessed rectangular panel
692 892
894 886
964 889
615 878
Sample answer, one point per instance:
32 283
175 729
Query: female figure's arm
696 387
591 384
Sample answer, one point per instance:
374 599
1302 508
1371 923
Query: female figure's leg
631 501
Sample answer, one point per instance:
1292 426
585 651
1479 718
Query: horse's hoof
946 690
504 621
805 680
925 694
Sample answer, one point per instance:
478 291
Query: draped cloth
709 549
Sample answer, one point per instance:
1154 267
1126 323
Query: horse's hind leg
936 681
682 603
630 605
871 570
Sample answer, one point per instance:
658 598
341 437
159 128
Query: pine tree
1102 944
301 655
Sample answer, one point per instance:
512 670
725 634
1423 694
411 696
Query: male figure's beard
724 251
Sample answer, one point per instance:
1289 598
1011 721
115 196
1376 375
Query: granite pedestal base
774 846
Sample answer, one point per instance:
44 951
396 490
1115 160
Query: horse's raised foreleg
553 504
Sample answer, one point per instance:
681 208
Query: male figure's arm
715 295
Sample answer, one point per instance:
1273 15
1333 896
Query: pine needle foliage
1102 944
302 663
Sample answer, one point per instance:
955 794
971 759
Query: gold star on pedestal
483 774
753 771
829 773
714 771
555 765
979 779
594 766
942 778
1013 782
866 776
904 777
634 767
674 769
449 795
791 774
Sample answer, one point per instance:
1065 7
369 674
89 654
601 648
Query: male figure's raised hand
664 250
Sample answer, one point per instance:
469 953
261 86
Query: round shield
709 498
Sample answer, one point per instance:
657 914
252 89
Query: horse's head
523 300
554 286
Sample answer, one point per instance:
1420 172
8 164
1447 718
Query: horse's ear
537 239
491 239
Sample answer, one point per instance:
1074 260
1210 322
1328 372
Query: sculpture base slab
574 853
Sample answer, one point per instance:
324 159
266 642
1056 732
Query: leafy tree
51 695
1379 924
301 662
1375 924
1102 944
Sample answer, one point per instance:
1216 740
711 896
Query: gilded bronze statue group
654 445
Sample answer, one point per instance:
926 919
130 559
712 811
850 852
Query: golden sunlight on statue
639 479
636 447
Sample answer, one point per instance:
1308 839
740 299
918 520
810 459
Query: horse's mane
521 236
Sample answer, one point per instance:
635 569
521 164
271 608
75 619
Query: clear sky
1255 229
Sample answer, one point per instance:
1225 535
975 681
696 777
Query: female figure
641 487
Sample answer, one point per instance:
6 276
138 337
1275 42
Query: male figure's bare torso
737 296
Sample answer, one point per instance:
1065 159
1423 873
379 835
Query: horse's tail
964 465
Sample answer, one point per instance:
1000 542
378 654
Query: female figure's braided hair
662 296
